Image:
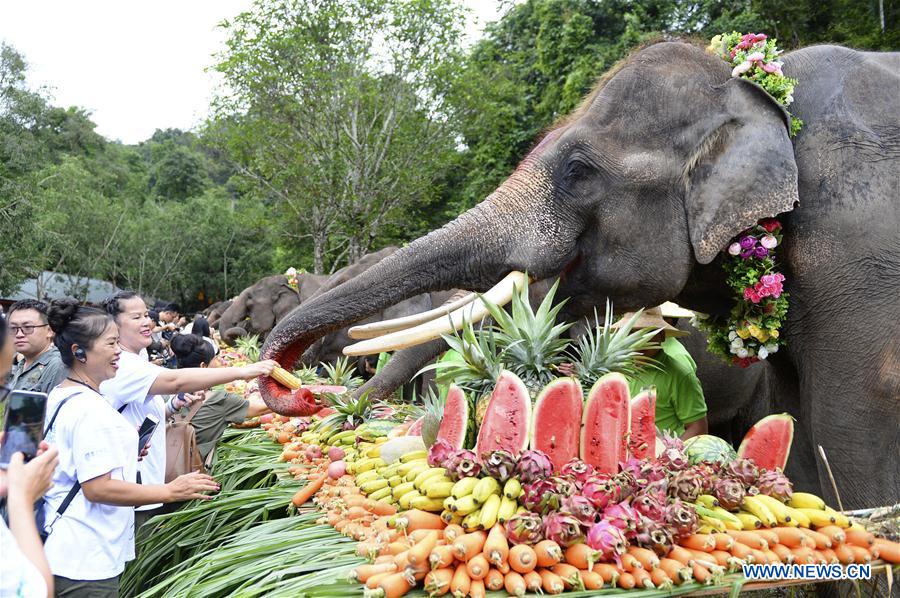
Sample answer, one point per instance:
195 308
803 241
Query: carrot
660 579
859 537
682 555
304 494
522 558
494 580
478 567
460 582
386 558
704 558
437 582
548 553
721 557
568 574
821 559
830 557
768 535
420 553
844 554
441 556
364 572
704 542
701 574
792 537
533 581
751 538
414 519
496 548
373 580
379 508
394 548
452 532
837 535
551 582
822 541
502 567
476 589
758 556
772 556
887 551
740 550
642 578
366 549
860 554
784 553
468 545
340 525
581 556
514 584
395 585
675 570
418 535
590 580
630 563
723 541
626 581
646 557
355 513
803 555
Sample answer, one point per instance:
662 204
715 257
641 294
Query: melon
768 442
605 424
556 429
507 418
416 428
707 447
642 436
454 426
319 389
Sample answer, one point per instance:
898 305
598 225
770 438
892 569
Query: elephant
215 311
635 195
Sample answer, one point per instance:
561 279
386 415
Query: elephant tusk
475 311
380 328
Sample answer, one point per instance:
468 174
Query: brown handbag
182 453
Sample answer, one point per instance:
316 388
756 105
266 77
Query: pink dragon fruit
627 484
729 492
650 504
744 470
623 516
601 490
580 508
500 465
652 471
775 484
686 485
564 486
607 540
654 535
563 529
632 466
673 459
577 470
534 465
540 496
681 518
525 528
462 464
439 452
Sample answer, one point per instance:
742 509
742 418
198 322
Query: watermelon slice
507 418
557 421
642 439
455 422
416 428
768 442
318 389
604 433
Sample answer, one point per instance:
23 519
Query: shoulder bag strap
73 491
192 412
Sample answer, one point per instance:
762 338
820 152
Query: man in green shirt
680 405
40 368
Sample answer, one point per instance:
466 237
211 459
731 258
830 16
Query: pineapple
350 412
479 368
341 374
307 375
248 346
434 413
604 349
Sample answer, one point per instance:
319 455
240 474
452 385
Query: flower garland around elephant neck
754 56
753 329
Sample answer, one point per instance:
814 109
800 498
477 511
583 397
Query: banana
395 481
405 487
405 468
707 529
472 521
731 521
367 476
521 509
759 509
707 500
799 516
429 473
779 509
390 471
367 464
440 490
347 434
489 511
484 489
512 489
381 494
414 456
381 440
857 526
424 503
817 517
507 509
414 471
405 501
748 520
840 519
448 504
465 505
448 517
374 485
805 500
717 524
435 479
464 487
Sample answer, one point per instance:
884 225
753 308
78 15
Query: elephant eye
575 169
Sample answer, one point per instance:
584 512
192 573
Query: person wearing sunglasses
41 369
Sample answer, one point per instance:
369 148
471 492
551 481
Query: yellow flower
743 333
763 336
754 329
773 332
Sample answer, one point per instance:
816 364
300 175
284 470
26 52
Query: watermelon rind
604 438
642 431
763 442
709 448
507 419
454 426
556 429
416 428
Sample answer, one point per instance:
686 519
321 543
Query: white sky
136 66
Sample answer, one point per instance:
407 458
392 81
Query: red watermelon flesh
557 421
507 418
416 428
642 438
768 442
604 433
318 389
455 422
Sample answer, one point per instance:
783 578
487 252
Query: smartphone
23 427
146 431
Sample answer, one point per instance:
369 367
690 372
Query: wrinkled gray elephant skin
635 195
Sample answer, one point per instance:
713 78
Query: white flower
742 353
772 348
737 343
769 242
741 68
763 353
734 248
732 335
756 57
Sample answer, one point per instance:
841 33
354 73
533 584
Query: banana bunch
802 510
479 503
377 479
713 518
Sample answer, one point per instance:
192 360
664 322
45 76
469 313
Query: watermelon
557 421
507 418
455 422
768 442
319 389
605 424
416 428
642 438
707 447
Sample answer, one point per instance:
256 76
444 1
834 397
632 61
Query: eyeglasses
27 329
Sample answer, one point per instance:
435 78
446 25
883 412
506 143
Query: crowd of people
71 511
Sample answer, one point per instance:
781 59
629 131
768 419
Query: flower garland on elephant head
753 329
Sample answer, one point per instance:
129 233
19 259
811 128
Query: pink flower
769 242
772 67
741 68
734 248
756 57
768 279
751 294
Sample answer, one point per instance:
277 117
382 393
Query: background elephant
634 196
215 311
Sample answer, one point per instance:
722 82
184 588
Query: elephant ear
742 168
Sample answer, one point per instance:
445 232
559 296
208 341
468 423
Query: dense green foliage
348 126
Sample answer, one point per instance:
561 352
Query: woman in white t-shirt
93 538
139 383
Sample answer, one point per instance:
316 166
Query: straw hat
650 318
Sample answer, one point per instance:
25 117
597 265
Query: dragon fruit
707 473
681 518
525 528
775 484
601 490
631 466
650 504
580 508
439 452
627 484
654 535
540 496
577 470
499 464
623 516
564 486
686 485
534 465
607 540
729 492
563 529
744 470
671 441
462 464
